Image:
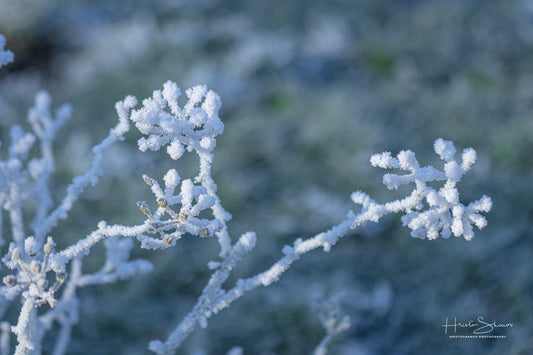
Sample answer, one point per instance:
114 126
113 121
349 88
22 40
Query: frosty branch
183 206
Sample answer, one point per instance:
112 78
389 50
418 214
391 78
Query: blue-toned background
310 90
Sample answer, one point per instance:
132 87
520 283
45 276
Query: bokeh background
310 90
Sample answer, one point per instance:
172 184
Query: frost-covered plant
42 275
331 316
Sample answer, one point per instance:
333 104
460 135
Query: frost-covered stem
325 240
214 299
204 307
45 199
91 177
218 211
69 293
322 347
45 204
333 321
84 245
25 329
15 214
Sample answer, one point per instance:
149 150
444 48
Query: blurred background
310 90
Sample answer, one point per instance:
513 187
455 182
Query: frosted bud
172 178
384 160
171 93
30 246
478 220
212 104
10 280
408 160
175 150
49 246
483 204
148 180
432 234
162 202
469 158
187 193
35 266
445 149
15 253
207 143
157 346
130 101
248 240
61 277
213 265
196 93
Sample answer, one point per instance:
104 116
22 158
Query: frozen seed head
35 266
49 246
144 208
148 180
60 277
10 280
15 254
162 202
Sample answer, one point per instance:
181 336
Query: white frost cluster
192 199
445 214
192 127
